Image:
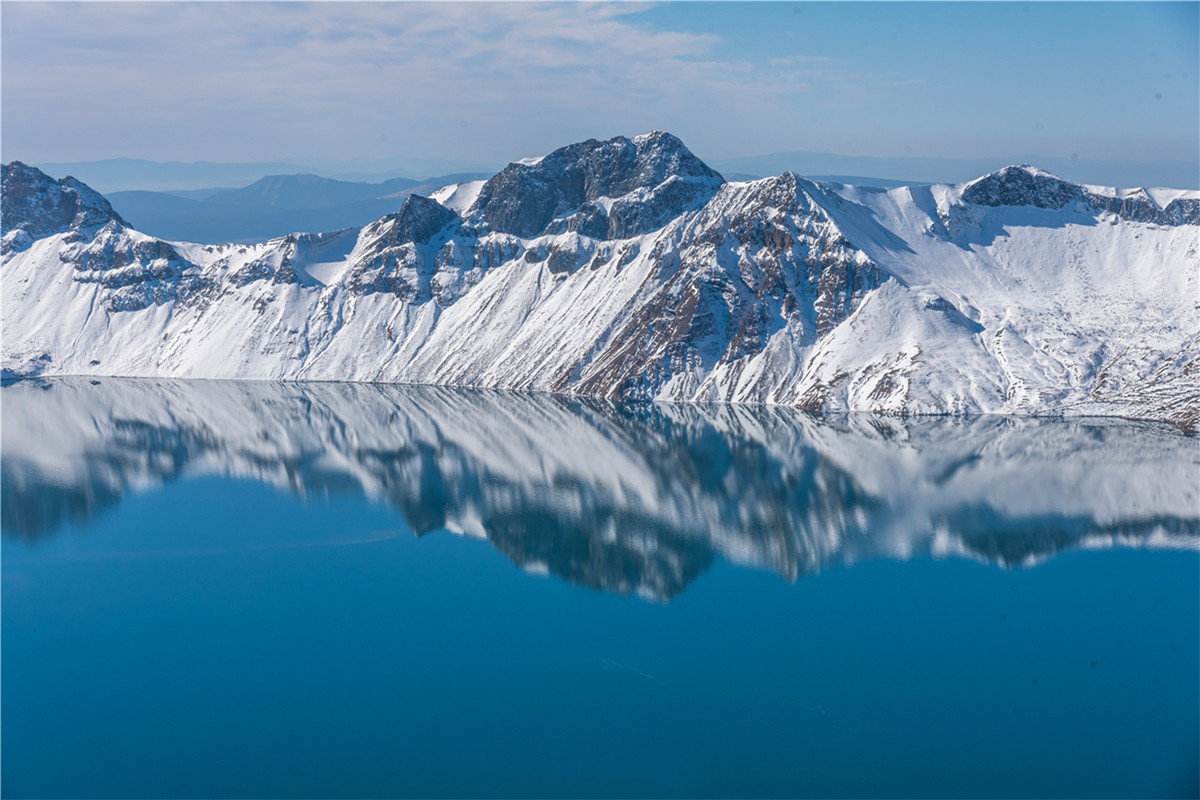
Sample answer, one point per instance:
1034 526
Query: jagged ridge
628 269
1029 186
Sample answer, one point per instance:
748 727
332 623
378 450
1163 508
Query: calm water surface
227 589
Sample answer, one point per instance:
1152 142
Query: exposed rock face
35 205
1027 186
788 267
418 220
394 256
134 271
628 269
137 272
567 185
1019 186
1141 208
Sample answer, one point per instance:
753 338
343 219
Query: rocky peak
394 254
418 220
1026 185
1022 186
35 206
526 196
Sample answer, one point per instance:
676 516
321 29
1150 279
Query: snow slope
628 269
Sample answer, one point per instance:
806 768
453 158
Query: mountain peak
1027 185
1022 185
36 205
1029 169
524 197
418 220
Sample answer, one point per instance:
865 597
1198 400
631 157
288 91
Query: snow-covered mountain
628 269
635 498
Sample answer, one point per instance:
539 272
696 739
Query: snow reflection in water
627 498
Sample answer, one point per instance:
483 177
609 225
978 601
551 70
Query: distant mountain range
630 269
136 174
131 174
273 206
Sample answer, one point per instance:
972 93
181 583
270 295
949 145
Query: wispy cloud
490 81
265 80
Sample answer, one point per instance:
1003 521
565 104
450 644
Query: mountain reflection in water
626 498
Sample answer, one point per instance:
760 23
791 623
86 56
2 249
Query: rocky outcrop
1029 186
35 206
135 271
395 256
1022 186
606 190
417 221
787 265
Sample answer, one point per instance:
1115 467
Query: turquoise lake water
258 590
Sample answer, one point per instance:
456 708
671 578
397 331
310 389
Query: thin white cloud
270 80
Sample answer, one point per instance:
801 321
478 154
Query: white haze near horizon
491 82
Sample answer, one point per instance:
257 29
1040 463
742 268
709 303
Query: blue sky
498 81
